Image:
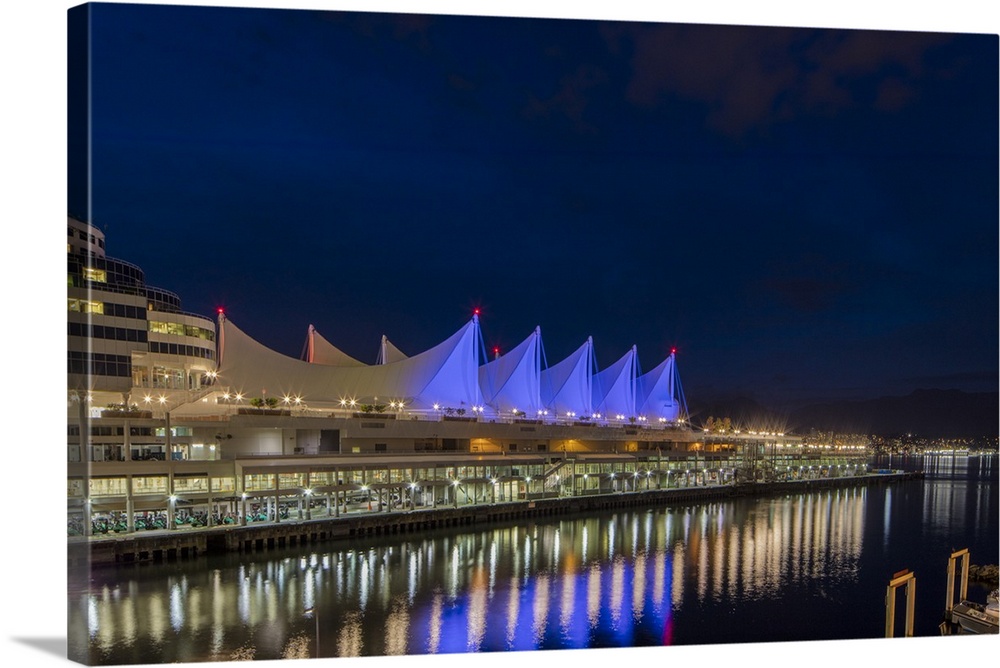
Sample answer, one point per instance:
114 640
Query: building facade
130 348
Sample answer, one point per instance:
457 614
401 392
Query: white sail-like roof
512 380
447 374
614 388
321 351
565 387
388 353
655 395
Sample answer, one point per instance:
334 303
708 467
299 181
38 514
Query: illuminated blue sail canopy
565 386
511 382
614 388
656 392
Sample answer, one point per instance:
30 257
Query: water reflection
623 579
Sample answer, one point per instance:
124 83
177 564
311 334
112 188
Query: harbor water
801 566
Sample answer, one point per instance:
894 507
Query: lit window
98 275
84 306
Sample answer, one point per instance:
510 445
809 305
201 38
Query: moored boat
978 618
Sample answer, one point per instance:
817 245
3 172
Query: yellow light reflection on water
638 586
397 628
434 637
677 577
659 578
349 640
568 594
156 618
477 608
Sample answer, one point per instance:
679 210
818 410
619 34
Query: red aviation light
673 351
475 311
220 309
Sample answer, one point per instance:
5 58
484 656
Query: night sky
804 214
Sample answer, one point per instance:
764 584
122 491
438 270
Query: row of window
177 349
104 430
163 300
85 306
86 236
180 329
137 313
142 485
106 270
136 336
106 332
74 430
99 364
125 311
160 377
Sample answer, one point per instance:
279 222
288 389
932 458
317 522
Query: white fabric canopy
565 387
655 393
388 353
445 375
321 351
614 388
511 381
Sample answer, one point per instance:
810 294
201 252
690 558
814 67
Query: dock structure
185 541
965 616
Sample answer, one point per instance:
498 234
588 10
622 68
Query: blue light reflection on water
796 567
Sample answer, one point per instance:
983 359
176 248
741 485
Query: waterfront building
173 415
129 345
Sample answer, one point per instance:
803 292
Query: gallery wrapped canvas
482 337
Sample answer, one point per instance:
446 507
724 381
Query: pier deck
186 542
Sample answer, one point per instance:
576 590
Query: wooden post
911 600
898 580
964 590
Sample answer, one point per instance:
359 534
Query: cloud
960 377
571 100
749 77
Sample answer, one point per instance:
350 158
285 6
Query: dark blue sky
803 213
